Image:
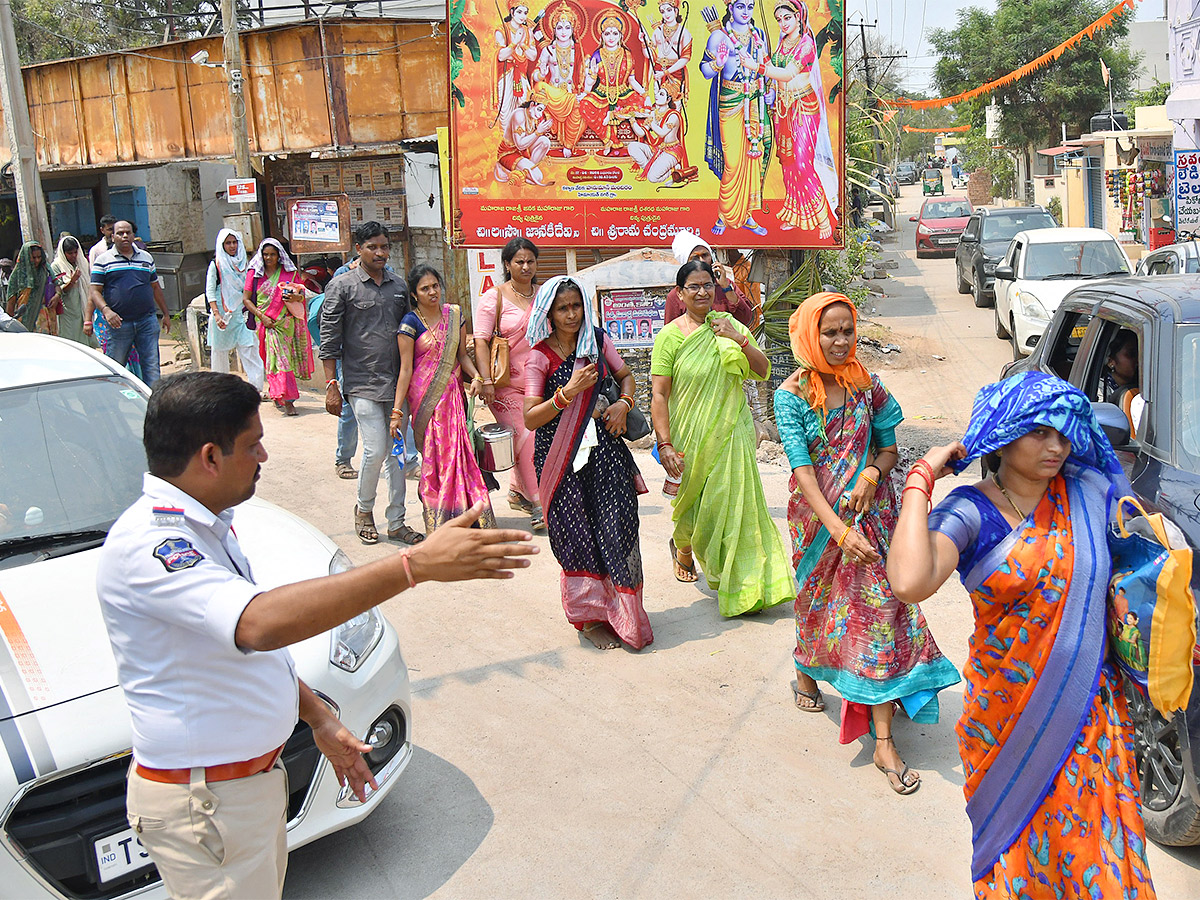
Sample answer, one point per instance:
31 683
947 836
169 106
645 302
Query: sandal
519 502
903 788
345 470
406 535
685 574
364 527
537 520
817 703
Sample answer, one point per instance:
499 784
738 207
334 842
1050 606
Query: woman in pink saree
802 142
275 297
433 356
504 311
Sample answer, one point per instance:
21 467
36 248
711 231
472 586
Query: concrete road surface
546 768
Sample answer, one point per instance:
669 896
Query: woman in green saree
706 439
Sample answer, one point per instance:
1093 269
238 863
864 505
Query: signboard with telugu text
593 123
633 317
1187 190
320 224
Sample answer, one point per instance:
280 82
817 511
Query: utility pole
31 202
878 142
237 106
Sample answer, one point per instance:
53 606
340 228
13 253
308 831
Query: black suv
984 242
1163 464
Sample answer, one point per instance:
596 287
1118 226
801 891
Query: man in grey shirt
362 310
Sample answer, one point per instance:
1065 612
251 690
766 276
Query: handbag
636 424
499 367
1151 608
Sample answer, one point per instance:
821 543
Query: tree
985 46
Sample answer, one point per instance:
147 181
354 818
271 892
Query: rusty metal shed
335 85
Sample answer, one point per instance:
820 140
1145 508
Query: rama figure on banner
559 75
516 53
738 138
613 92
802 144
671 47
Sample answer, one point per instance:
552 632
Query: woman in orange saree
1045 737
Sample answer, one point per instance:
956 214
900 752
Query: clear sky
906 23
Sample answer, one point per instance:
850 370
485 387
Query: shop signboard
633 317
589 123
483 274
1187 190
241 190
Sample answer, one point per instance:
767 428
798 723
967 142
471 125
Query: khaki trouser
219 841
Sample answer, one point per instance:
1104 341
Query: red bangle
927 469
925 472
412 582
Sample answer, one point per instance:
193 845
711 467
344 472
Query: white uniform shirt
172 583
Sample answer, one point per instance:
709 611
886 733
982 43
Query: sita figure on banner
525 145
738 138
802 143
614 93
671 46
660 151
516 54
559 76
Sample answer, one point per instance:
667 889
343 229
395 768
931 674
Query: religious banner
589 123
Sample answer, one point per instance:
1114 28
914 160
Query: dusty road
546 768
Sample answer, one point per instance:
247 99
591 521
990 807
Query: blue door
128 203
71 211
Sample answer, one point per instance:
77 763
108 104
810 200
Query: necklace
417 310
1016 509
528 296
559 348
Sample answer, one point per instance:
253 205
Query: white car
1041 267
71 460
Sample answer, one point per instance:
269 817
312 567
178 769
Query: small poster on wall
386 174
633 317
325 177
356 176
319 224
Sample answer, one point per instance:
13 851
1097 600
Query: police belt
223 772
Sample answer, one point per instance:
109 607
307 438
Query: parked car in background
71 461
877 193
1175 259
890 183
1040 268
940 223
1162 461
984 242
907 173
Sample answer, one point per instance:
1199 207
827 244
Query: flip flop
685 574
519 502
815 697
406 534
903 789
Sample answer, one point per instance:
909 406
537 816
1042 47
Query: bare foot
601 635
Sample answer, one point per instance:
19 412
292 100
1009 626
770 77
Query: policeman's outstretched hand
345 753
458 552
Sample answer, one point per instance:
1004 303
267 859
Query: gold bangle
868 478
843 537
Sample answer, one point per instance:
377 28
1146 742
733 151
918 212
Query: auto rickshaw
931 182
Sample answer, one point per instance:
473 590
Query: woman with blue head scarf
587 479
1045 738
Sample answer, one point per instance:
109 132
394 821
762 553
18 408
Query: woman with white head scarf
587 479
226 316
72 277
275 297
728 298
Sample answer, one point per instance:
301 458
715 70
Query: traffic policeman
201 649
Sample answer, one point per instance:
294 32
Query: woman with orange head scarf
838 425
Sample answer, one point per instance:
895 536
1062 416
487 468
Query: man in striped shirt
125 289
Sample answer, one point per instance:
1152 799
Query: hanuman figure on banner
738 137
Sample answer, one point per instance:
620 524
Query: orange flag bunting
946 130
1028 69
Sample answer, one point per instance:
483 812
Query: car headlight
352 641
989 267
1033 308
921 229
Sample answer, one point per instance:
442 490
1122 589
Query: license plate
119 854
1078 332
949 240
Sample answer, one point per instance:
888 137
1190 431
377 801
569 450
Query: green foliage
460 37
834 33
984 46
1054 207
978 153
1155 95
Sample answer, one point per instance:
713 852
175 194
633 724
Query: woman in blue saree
1045 737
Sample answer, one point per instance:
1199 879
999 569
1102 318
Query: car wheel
1168 809
964 286
980 296
1001 331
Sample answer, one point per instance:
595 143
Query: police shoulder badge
177 553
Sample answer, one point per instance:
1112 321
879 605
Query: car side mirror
912 218
1112 422
1005 273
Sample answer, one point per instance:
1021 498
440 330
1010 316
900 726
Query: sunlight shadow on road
479 674
427 828
700 621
